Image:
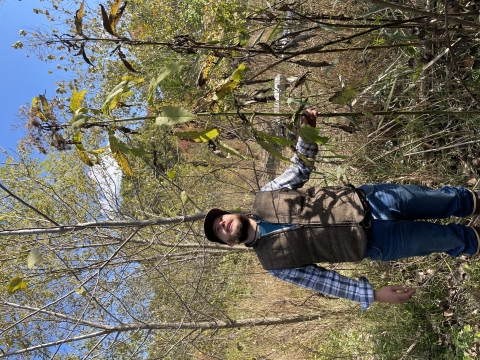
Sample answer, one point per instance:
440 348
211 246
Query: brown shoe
476 202
477 232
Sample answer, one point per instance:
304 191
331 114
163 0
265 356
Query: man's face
232 229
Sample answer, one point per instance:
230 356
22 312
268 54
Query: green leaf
94 111
81 291
76 99
230 84
309 162
124 86
16 284
276 30
310 135
80 123
275 140
79 119
77 138
184 197
232 151
379 168
170 69
335 62
368 113
171 174
198 136
128 150
34 258
273 151
174 115
344 96
294 121
243 36
257 39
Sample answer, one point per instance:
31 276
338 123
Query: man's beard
241 232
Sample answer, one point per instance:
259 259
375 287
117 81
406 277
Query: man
291 229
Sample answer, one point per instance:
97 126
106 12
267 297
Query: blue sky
23 77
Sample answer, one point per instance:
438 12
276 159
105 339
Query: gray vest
328 227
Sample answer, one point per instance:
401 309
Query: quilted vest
327 227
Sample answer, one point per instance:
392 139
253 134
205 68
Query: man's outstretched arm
298 173
329 282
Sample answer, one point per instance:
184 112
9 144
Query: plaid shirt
314 277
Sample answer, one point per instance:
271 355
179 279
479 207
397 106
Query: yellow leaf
76 99
119 156
82 154
38 111
79 19
34 102
116 13
205 71
198 136
98 151
232 151
16 284
230 84
132 80
114 102
171 174
115 6
41 115
45 104
122 161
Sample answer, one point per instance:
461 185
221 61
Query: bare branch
104 224
28 205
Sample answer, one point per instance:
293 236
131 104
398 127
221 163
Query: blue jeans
394 233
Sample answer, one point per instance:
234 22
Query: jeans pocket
368 189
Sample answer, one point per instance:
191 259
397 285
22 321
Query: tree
109 285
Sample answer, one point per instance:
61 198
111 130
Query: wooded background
170 108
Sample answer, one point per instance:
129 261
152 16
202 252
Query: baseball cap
208 224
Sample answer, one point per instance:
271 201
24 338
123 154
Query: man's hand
309 117
396 294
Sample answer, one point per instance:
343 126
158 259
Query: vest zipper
299 226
